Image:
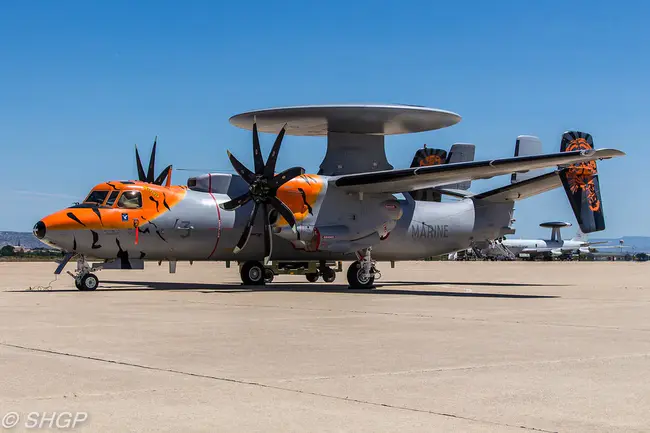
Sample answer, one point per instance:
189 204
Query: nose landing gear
84 279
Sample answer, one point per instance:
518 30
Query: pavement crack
269 386
470 367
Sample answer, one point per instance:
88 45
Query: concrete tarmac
436 347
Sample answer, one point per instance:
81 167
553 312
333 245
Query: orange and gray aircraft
357 208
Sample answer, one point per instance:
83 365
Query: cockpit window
96 197
112 198
130 200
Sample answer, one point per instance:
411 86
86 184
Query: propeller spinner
263 186
149 177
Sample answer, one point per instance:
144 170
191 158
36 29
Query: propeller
263 186
149 177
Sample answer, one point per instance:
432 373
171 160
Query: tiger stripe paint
300 195
156 200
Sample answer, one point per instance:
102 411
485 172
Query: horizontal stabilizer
523 189
409 179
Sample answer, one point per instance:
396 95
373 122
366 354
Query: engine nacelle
375 225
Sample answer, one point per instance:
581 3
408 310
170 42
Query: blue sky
81 82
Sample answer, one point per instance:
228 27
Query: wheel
88 282
357 278
252 273
312 277
329 275
268 275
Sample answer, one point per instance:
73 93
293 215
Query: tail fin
459 152
580 237
527 145
581 184
425 157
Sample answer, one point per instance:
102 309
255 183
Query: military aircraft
357 207
555 247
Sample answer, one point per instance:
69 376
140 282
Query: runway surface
437 347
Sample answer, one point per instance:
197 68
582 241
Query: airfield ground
437 347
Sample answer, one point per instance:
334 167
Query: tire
88 283
355 277
312 277
252 273
329 275
268 276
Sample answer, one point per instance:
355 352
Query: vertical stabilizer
527 145
580 237
581 184
426 157
459 152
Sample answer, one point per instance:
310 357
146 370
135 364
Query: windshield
112 198
96 197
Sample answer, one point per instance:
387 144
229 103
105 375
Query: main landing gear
362 273
253 273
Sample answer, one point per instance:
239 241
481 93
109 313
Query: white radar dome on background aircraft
357 207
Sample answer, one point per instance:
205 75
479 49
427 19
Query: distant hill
27 240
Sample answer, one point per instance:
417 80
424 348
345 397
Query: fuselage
139 220
541 246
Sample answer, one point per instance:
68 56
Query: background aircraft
357 207
555 247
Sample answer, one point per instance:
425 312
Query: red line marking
218 215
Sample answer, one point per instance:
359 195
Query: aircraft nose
39 230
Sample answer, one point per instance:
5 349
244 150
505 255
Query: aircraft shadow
386 288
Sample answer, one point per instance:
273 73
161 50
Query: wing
394 181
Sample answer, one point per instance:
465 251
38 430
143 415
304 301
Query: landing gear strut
362 273
84 279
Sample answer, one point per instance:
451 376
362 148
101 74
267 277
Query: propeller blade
285 177
141 175
163 175
245 173
268 240
269 169
236 202
285 212
257 151
247 230
152 161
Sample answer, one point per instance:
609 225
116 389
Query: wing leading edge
394 181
